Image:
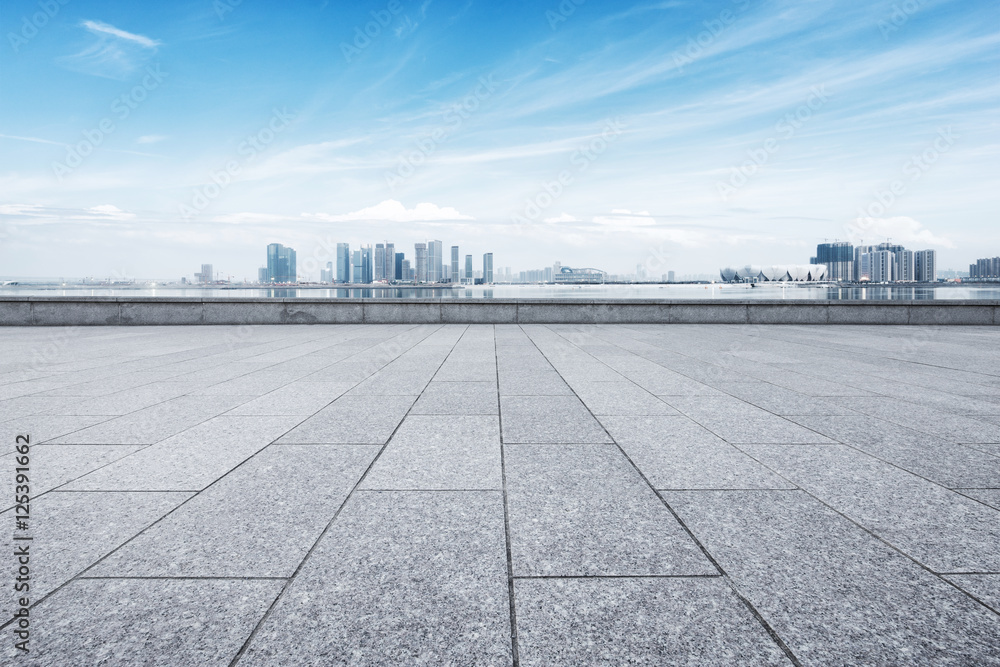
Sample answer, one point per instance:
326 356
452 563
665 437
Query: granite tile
458 398
362 420
548 419
295 398
583 510
620 398
983 587
400 578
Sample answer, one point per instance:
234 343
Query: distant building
398 272
326 275
281 264
262 276
435 261
389 262
343 263
468 269
670 276
986 269
838 258
573 276
925 266
420 262
883 266
379 269
488 268
903 264
205 276
356 267
454 264
776 273
405 272
366 264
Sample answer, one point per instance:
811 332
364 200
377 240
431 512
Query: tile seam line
157 521
290 580
771 632
515 653
877 537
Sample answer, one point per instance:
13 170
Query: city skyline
702 133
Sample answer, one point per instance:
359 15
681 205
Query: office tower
356 266
262 275
925 266
860 272
366 264
405 272
488 268
468 268
670 274
903 262
378 272
206 274
420 262
454 264
280 264
882 266
390 261
435 261
343 263
839 260
398 273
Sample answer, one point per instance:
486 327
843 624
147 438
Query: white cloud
103 28
623 217
903 230
393 211
109 211
564 217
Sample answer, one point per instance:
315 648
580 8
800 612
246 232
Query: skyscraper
343 263
882 266
903 262
280 264
378 272
488 268
454 264
390 261
839 260
398 273
925 266
435 261
206 274
356 266
366 264
405 272
420 262
326 275
468 269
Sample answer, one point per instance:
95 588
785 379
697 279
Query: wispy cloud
107 29
114 53
393 211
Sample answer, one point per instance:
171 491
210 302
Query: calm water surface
873 293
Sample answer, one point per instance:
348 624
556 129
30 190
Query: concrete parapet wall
82 311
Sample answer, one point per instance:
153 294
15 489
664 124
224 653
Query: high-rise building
839 260
435 260
366 264
398 273
405 272
262 275
903 263
343 263
356 266
454 264
670 274
326 274
468 268
986 269
882 263
420 262
280 264
488 268
205 276
379 268
390 261
925 266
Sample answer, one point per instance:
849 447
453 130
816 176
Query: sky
144 139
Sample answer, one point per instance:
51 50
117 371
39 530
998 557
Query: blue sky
146 139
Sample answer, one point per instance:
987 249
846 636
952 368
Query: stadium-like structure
775 273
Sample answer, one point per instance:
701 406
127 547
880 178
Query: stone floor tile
548 419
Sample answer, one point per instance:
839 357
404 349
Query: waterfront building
281 266
838 258
420 262
925 266
986 269
379 269
366 264
468 268
205 276
454 264
488 268
343 263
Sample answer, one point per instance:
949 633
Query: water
791 292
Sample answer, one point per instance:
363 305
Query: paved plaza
496 495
